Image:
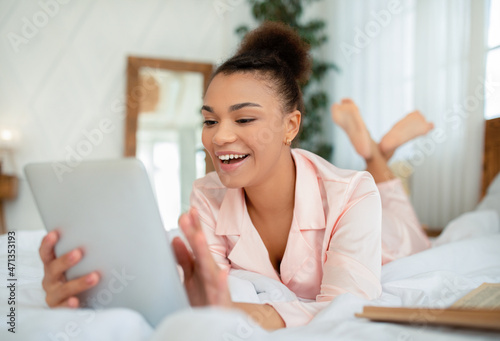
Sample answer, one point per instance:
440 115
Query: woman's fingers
213 279
55 269
46 249
190 224
195 218
72 302
64 294
203 254
186 226
223 293
183 256
192 229
59 292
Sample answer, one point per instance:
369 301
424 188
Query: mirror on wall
163 128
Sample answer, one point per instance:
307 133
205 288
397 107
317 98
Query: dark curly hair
275 52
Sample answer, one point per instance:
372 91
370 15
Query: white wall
63 78
63 69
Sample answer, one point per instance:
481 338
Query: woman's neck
276 194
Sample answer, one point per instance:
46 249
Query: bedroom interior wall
63 76
63 67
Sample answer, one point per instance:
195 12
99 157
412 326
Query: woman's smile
231 162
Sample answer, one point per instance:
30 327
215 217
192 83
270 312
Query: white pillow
469 225
494 186
492 199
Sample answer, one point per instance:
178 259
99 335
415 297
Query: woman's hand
205 282
59 291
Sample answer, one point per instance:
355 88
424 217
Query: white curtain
449 83
397 56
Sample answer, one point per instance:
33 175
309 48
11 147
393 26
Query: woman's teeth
226 158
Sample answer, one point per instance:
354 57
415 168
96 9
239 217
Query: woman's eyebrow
233 107
207 108
238 106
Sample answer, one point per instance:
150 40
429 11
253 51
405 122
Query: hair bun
283 42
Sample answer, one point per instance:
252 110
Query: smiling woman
284 213
287 214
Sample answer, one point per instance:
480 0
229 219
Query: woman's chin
232 174
229 181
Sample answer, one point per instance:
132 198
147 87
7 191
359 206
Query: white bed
465 255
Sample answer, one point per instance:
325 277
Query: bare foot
346 115
409 127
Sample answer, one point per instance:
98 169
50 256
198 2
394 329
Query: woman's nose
224 134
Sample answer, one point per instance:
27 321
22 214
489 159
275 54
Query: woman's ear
292 124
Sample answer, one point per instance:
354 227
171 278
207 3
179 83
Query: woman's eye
245 120
209 123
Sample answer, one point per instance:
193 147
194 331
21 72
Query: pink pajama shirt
336 242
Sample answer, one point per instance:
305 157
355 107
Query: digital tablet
108 209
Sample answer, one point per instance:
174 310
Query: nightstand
8 190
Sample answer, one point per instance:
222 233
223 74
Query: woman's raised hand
59 291
205 282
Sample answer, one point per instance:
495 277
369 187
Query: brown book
478 309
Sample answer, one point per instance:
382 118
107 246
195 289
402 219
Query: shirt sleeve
353 257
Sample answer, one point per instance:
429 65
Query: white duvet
464 256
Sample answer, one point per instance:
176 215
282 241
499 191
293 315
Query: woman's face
244 129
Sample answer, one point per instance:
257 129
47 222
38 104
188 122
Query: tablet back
108 209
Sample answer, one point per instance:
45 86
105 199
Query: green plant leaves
315 99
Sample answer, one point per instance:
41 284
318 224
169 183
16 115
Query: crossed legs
346 114
402 234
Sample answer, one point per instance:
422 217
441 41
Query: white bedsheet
464 256
436 277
